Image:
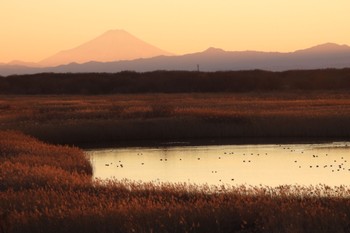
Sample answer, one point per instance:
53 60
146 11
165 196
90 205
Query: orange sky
35 29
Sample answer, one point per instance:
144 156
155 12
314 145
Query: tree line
175 82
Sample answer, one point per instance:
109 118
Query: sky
31 30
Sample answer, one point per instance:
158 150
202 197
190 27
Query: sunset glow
35 29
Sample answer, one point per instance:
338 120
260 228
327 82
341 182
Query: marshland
46 178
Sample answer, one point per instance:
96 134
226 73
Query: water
271 165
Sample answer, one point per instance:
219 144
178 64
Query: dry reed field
47 188
84 120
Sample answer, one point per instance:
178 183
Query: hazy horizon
35 30
120 45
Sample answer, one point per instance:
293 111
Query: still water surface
272 165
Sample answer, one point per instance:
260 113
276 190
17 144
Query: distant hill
328 48
22 63
113 45
323 56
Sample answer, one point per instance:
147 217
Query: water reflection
271 165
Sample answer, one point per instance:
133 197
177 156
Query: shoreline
209 142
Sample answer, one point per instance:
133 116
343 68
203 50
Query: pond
271 165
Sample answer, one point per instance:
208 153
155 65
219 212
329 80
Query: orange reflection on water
271 165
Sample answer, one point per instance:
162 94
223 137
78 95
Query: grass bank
128 118
47 188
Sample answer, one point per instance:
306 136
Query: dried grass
46 188
81 120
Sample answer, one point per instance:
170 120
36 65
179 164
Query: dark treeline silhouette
175 82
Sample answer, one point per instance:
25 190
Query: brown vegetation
46 188
83 120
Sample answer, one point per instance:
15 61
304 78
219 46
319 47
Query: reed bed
81 120
48 188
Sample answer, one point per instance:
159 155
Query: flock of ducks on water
335 165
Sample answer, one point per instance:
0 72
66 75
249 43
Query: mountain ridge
325 48
112 45
327 55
